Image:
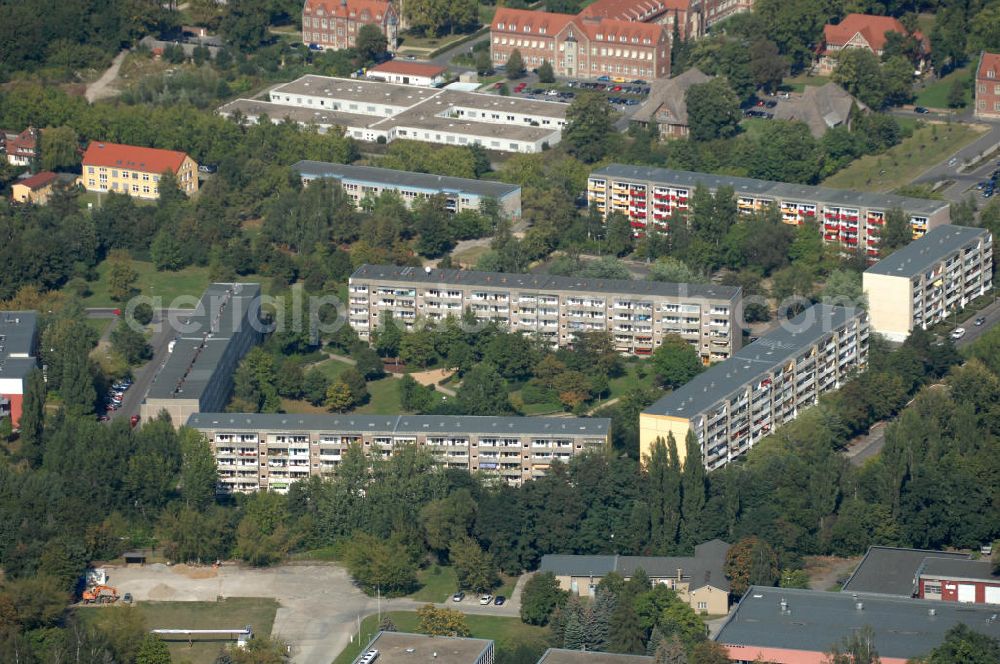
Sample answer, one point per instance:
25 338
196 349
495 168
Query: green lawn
190 281
332 368
437 584
506 632
799 83
231 613
638 373
927 146
935 95
384 398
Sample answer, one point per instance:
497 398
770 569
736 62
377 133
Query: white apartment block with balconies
637 314
734 404
650 197
926 281
255 451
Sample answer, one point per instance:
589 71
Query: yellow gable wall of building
890 304
710 600
652 427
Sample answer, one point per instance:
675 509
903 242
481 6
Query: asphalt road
864 447
142 376
945 170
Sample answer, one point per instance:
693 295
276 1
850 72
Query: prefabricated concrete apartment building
459 194
372 111
735 403
198 373
850 219
924 282
256 452
638 314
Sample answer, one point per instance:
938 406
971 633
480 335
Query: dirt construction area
319 606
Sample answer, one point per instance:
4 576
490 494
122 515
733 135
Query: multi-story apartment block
928 279
864 31
637 314
581 47
988 86
198 373
649 197
136 171
373 111
735 403
335 24
257 452
18 342
460 194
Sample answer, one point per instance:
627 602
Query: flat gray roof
394 178
782 190
921 255
952 568
322 117
753 361
425 117
563 656
202 342
543 282
405 648
371 92
815 620
404 424
889 570
18 332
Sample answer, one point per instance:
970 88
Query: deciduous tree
588 132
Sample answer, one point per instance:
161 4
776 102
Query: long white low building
374 111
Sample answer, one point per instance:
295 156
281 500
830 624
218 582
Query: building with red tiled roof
988 86
334 24
860 31
408 73
136 171
661 12
581 46
35 189
711 12
21 148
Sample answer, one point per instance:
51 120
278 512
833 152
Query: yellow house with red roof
135 171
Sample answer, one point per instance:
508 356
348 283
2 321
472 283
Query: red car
520 86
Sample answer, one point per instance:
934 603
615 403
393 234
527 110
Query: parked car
770 103
958 333
499 600
486 600
458 597
127 598
920 109
980 321
604 79
315 47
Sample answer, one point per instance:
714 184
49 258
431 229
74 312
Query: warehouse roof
322 117
753 361
348 89
202 341
17 333
889 570
394 178
705 567
405 424
923 254
404 648
545 282
956 568
779 190
815 620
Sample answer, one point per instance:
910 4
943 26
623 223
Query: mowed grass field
169 286
506 632
903 163
935 95
231 613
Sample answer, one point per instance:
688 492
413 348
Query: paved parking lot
320 606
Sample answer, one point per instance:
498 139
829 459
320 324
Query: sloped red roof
149 160
363 10
38 180
634 10
24 144
516 20
990 62
872 28
408 68
612 30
